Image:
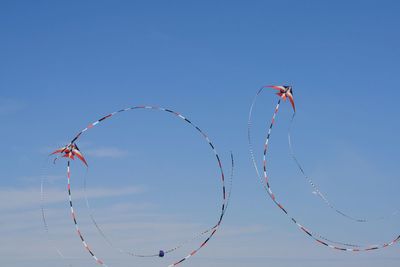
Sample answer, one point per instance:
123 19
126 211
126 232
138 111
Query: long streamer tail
341 246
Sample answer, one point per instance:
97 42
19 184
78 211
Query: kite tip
161 254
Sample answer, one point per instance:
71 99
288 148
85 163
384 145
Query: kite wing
290 96
70 151
276 87
285 92
60 150
77 153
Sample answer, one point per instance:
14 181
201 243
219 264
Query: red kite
284 92
70 151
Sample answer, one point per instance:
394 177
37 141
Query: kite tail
311 182
317 237
226 208
249 138
226 196
317 190
214 229
75 220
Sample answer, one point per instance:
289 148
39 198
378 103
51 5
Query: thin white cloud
243 230
30 197
234 246
106 152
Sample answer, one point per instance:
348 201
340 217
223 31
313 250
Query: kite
286 92
71 151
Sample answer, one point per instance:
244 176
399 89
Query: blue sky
63 65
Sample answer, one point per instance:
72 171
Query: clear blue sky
63 65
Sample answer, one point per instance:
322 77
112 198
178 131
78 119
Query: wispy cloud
30 197
106 152
242 230
235 245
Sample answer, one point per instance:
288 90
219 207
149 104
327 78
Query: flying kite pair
71 151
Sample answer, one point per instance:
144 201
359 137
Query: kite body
70 151
285 92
